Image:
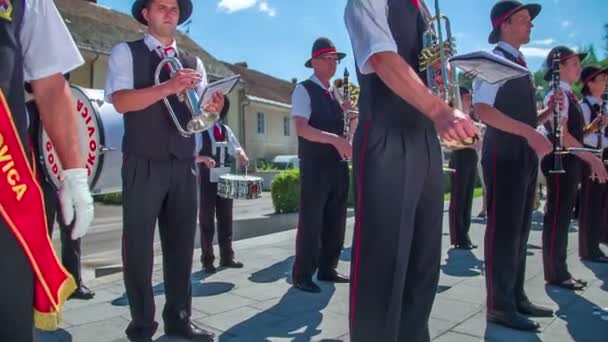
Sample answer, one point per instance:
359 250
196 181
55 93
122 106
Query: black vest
516 99
150 133
326 115
11 64
207 148
595 111
376 101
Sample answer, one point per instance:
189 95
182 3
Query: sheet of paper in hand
223 86
488 66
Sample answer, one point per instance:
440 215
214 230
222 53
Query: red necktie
522 61
166 52
329 94
217 133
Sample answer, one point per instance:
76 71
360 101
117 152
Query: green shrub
114 198
285 191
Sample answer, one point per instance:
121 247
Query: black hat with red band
505 9
590 72
321 47
564 55
185 10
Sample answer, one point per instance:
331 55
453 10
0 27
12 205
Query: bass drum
100 131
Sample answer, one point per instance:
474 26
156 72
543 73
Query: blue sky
275 36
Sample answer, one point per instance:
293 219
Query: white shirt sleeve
485 92
47 46
564 109
234 146
367 25
300 103
591 139
120 71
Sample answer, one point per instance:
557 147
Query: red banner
22 209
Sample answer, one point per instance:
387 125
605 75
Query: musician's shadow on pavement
296 316
199 288
583 318
600 271
462 263
274 272
52 336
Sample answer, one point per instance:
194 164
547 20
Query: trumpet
437 50
201 120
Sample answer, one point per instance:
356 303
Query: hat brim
341 56
185 11
581 56
533 9
595 74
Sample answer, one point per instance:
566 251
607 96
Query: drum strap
22 209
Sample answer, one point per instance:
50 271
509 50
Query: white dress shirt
484 92
592 139
46 43
300 99
369 31
120 66
234 146
566 104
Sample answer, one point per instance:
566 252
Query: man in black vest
158 173
511 150
38 49
464 162
322 149
210 203
398 181
70 249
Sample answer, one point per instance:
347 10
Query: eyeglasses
330 59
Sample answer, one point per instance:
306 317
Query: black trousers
461 200
70 249
591 218
561 198
163 190
396 249
322 217
16 290
510 174
212 206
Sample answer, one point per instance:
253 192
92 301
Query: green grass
476 193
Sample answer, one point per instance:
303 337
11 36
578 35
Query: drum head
90 138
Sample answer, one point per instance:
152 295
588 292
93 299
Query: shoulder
122 48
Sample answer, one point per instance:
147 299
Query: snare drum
100 131
239 187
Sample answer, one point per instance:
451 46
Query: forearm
58 117
403 80
493 117
316 135
138 99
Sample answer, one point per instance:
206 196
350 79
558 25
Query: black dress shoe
512 320
191 332
231 264
83 293
334 277
307 286
465 246
209 269
530 309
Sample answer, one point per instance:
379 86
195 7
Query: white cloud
534 52
566 23
265 8
231 6
548 41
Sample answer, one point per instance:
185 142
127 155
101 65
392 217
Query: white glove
75 198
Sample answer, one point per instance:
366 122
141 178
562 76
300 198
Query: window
286 125
261 123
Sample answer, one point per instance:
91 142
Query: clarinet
603 112
558 149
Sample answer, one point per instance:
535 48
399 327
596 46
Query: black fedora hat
502 10
323 46
185 10
590 72
564 55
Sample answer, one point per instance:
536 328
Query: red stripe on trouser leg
357 237
490 240
553 231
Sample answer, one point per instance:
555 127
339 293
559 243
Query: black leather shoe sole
512 320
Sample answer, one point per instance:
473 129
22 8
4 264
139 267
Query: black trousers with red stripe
322 217
461 200
510 174
561 198
591 219
396 249
212 206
